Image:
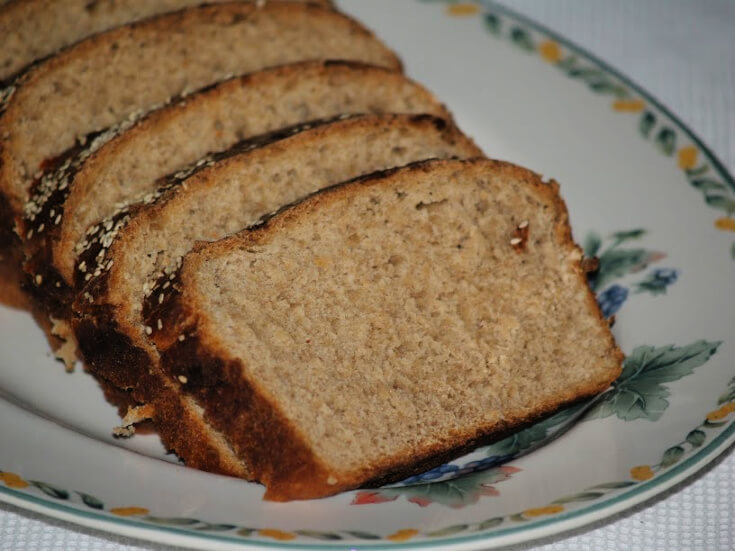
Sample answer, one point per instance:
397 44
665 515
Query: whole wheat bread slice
131 254
128 166
385 325
116 74
34 29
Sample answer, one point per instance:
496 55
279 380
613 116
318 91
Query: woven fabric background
683 52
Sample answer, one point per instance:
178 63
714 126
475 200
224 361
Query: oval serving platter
644 195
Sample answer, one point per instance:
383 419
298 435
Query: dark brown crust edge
232 10
209 376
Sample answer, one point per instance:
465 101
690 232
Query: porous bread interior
106 78
127 167
237 192
401 318
33 29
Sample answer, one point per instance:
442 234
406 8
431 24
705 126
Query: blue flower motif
667 276
611 299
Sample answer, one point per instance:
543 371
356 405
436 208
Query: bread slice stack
288 257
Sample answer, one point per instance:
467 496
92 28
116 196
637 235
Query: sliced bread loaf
131 255
127 167
34 29
382 326
116 74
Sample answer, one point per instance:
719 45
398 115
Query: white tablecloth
682 51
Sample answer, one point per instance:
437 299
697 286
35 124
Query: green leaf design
607 87
448 531
671 456
707 184
49 490
567 63
696 438
666 141
697 171
615 263
492 23
91 501
362 535
628 235
639 392
648 121
326 536
490 523
535 435
518 517
592 244
729 394
613 485
245 532
720 202
522 39
172 521
455 492
207 527
585 496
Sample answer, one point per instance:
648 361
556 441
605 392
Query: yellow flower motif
402 535
129 511
687 157
725 224
550 51
722 412
629 105
276 534
12 480
541 511
641 472
463 9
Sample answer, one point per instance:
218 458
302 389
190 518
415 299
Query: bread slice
128 166
34 29
114 75
131 255
382 326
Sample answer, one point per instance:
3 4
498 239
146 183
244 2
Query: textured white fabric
683 52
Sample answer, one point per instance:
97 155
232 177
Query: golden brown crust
191 351
11 178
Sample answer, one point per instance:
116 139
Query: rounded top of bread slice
113 75
34 29
128 166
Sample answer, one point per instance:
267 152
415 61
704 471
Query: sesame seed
83 266
148 330
183 379
29 234
51 214
523 225
87 277
58 284
160 325
160 298
516 241
58 219
181 338
39 279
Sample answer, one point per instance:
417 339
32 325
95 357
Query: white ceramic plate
645 196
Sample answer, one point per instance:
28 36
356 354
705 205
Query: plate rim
555 525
